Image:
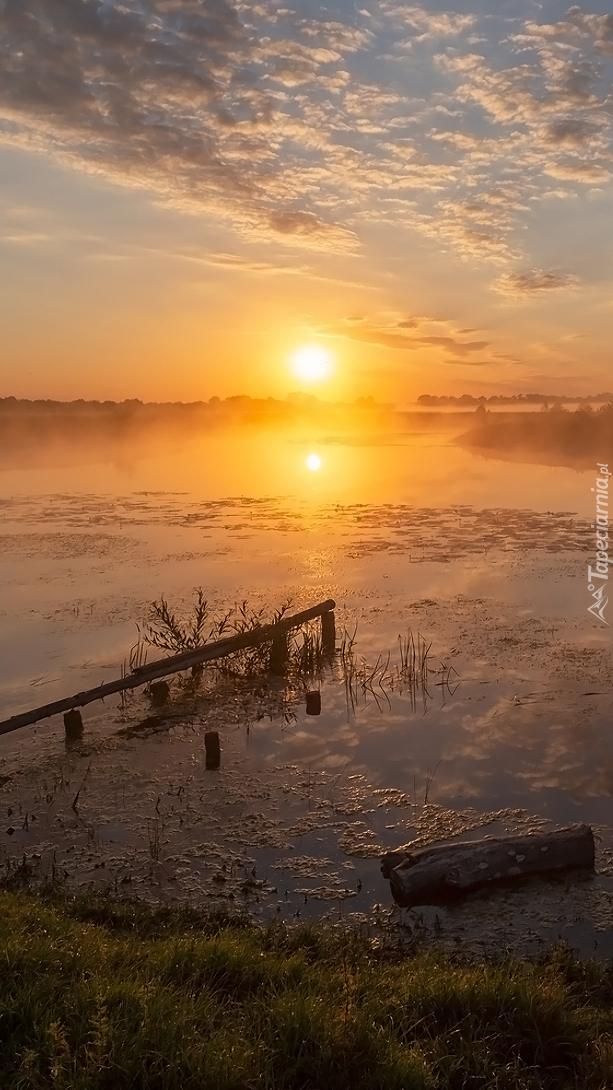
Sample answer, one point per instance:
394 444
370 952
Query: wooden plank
425 875
170 665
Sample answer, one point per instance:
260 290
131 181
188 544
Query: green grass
108 994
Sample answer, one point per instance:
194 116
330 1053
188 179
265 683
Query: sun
311 363
313 462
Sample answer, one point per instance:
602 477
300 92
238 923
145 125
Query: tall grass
98 994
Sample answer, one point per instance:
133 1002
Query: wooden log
425 875
162 667
229 644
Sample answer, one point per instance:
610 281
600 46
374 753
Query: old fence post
278 655
328 634
212 750
313 703
73 726
159 692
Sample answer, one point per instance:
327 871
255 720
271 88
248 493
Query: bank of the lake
97 992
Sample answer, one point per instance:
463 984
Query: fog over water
485 557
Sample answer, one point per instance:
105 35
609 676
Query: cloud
26 238
336 35
388 336
296 129
588 173
574 133
432 24
578 23
534 282
174 95
299 223
245 264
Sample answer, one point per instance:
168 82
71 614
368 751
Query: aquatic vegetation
300 658
410 674
302 650
166 631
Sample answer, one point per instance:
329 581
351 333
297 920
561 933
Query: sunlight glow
313 462
311 364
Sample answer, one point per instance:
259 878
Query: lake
483 559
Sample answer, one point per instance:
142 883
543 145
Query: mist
553 436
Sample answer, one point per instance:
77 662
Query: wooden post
313 703
425 875
212 749
159 692
142 675
73 726
278 655
328 634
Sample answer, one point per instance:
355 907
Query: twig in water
73 804
429 777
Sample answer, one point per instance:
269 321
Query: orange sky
189 192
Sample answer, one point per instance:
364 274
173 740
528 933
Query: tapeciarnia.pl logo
598 577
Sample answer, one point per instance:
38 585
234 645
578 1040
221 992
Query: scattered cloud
296 130
174 95
588 173
534 282
392 335
439 24
25 238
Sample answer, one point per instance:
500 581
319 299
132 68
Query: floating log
142 675
426 875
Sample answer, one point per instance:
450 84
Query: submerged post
159 691
73 726
278 655
328 634
212 749
313 703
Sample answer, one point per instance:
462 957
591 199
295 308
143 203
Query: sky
192 190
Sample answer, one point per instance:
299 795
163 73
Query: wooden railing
184 661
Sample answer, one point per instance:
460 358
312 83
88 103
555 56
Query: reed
198 625
250 677
410 673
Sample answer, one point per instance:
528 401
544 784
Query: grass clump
98 994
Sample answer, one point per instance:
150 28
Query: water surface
486 559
